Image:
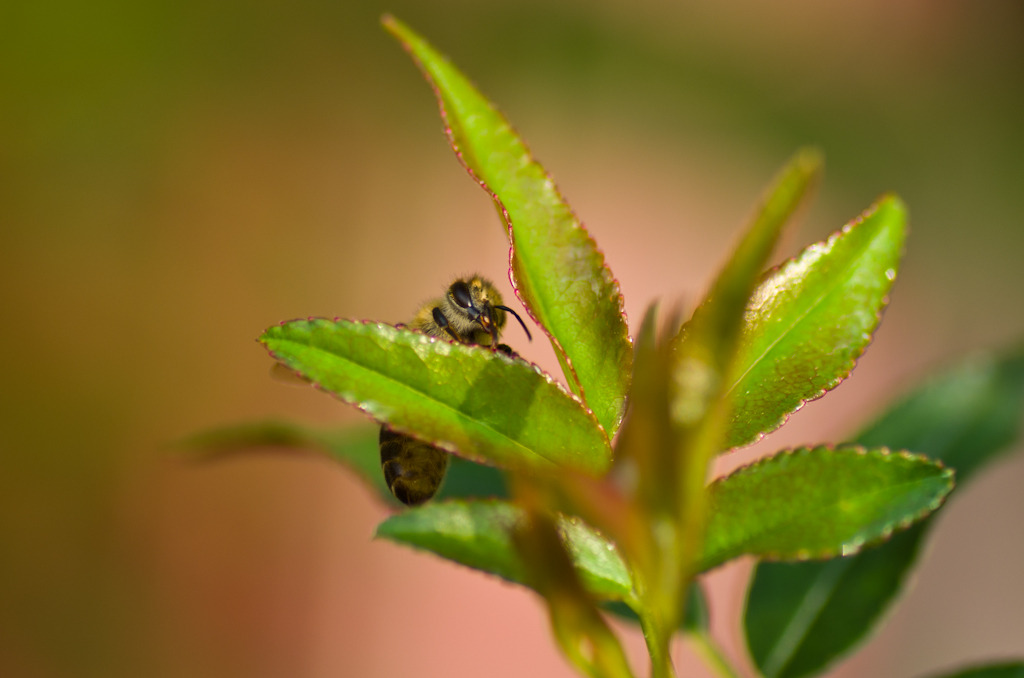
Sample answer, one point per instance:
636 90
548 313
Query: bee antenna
506 308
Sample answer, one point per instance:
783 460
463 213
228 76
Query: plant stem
658 645
712 654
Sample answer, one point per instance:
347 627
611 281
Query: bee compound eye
460 292
439 318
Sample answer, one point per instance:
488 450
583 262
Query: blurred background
177 176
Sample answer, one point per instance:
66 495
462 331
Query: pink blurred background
175 177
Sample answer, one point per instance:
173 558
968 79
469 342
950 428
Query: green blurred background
176 176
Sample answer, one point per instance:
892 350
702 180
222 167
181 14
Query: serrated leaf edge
607 277
871 331
561 522
418 547
426 338
887 530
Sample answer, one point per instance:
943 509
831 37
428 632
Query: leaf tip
397 29
811 159
892 203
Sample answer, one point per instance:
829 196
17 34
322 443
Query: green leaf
708 345
466 399
356 448
478 534
964 418
467 480
810 320
1001 670
696 617
557 269
819 502
236 438
645 447
683 382
581 630
801 616
706 350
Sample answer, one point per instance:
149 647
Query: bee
470 312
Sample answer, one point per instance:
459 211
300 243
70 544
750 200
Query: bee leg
442 322
507 350
491 326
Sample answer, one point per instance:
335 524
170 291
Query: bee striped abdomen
413 469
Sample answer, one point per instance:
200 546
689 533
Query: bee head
479 303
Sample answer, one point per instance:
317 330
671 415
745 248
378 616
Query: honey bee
470 312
